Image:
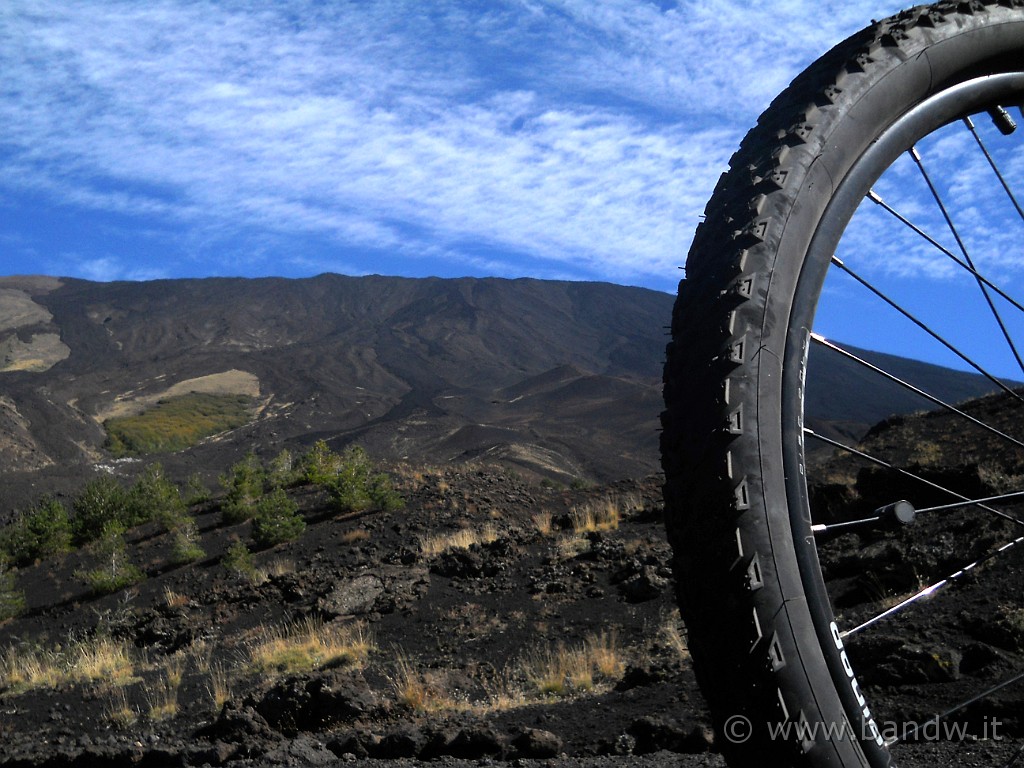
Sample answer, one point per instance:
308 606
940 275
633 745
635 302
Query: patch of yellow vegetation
310 645
232 382
40 353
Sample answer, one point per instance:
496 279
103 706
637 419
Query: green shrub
196 491
282 472
185 547
12 599
276 520
177 423
115 571
154 497
44 531
320 464
238 560
356 486
100 502
244 487
383 493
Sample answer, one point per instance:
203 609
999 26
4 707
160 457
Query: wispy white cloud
562 137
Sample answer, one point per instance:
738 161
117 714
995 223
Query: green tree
276 520
44 531
154 497
281 473
356 485
101 501
196 491
115 571
185 547
244 486
238 560
12 599
319 464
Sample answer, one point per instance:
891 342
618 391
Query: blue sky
569 139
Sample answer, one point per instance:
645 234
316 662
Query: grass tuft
596 516
462 539
310 644
97 660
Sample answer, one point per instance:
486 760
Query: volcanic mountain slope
425 369
555 378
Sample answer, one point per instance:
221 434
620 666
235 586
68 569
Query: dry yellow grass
672 634
163 695
462 539
544 521
174 599
422 691
562 671
219 686
597 516
97 660
355 536
309 645
119 711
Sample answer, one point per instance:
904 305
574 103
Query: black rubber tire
750 590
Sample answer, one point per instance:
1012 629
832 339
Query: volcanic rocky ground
498 407
458 635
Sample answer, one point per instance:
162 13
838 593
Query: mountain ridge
554 378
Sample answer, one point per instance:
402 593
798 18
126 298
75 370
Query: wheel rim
916 125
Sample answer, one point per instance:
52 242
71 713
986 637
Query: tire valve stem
1003 120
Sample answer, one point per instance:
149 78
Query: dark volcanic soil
459 638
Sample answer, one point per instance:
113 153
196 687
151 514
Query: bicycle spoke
916 390
931 589
915 155
963 705
905 473
877 200
924 327
972 502
991 161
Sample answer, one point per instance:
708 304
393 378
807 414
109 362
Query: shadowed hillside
556 379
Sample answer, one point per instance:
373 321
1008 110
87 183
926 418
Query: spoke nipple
837 261
900 511
874 197
915 154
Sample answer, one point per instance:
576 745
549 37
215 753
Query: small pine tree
351 484
115 571
244 486
238 560
276 520
320 464
196 491
356 487
154 497
12 599
44 531
185 547
281 473
101 501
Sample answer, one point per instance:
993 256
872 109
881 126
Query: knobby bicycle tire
761 632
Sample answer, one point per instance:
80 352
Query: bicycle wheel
765 645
